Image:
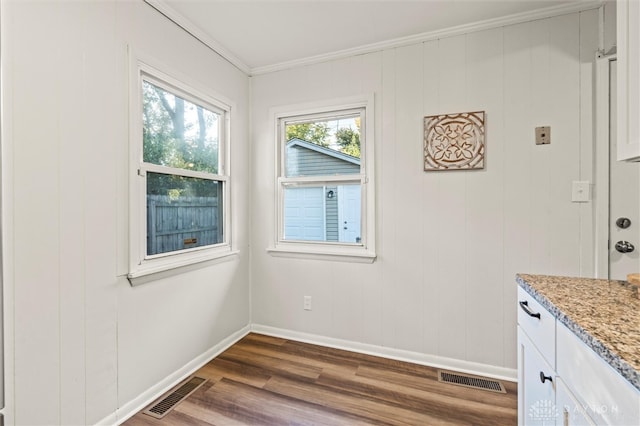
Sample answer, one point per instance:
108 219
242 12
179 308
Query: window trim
142 267
327 250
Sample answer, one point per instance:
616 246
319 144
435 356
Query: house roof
323 150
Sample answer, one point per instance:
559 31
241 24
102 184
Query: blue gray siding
332 214
305 162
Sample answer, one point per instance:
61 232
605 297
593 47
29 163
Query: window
325 185
180 182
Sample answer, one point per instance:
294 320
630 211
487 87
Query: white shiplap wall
82 345
449 243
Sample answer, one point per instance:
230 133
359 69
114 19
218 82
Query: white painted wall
609 26
82 343
449 243
83 346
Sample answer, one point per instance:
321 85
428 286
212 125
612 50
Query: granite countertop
604 314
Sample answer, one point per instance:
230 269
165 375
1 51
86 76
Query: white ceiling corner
260 36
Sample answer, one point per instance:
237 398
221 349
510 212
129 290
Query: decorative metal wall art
454 141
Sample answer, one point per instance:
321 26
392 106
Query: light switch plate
543 135
580 191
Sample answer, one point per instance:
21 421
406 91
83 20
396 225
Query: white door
624 201
349 213
304 214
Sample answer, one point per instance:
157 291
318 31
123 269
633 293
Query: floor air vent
168 401
469 381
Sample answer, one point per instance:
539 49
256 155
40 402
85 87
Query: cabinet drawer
538 324
606 396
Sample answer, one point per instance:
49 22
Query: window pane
178 133
323 147
323 213
182 213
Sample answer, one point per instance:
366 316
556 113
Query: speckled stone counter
604 314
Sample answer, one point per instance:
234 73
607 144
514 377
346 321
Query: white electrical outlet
307 303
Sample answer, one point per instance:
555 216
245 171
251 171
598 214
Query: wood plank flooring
264 380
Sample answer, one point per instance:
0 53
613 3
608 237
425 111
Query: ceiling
258 34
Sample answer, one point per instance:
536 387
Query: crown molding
576 6
518 18
200 35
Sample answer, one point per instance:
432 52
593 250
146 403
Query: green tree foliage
317 133
175 134
349 141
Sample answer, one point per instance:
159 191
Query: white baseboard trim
111 419
129 409
500 373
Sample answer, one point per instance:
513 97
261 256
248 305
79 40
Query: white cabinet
536 386
628 56
536 362
570 411
607 397
561 380
538 324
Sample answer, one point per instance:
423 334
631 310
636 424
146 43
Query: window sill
342 254
163 268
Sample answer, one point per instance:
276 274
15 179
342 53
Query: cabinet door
536 385
608 398
570 412
628 35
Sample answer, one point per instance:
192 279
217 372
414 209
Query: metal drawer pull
544 378
525 307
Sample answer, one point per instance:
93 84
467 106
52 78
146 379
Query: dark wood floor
264 380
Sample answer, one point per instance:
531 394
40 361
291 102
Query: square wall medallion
454 141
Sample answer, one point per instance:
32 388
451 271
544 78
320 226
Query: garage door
304 214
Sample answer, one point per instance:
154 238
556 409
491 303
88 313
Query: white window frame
365 251
142 267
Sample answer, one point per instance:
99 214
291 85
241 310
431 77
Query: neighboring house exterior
329 213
